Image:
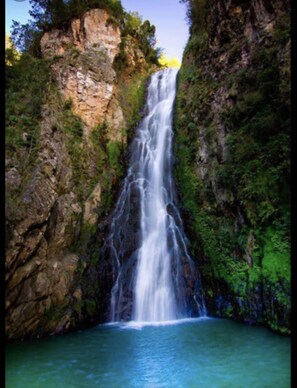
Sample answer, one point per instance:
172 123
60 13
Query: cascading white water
153 273
155 298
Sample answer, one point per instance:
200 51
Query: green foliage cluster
26 37
276 254
144 32
194 98
196 14
197 43
24 97
131 98
72 127
259 135
114 152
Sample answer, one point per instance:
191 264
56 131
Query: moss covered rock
232 147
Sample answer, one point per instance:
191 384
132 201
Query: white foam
138 325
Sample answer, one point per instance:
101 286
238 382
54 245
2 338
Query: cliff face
232 120
62 198
89 46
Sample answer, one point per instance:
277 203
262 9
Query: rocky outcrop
39 271
51 270
84 72
232 106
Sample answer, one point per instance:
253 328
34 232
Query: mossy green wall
232 148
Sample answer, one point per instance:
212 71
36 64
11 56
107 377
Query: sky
168 16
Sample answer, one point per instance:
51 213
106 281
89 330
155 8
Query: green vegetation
236 203
276 255
143 32
11 53
101 163
196 14
114 151
132 98
24 98
259 135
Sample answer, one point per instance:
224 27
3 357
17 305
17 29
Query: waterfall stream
154 277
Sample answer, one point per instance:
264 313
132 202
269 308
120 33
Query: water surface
200 353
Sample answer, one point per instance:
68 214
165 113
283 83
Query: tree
26 37
196 11
148 33
132 23
11 53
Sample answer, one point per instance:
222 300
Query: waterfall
154 277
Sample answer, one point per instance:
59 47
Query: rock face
90 46
39 273
51 271
232 105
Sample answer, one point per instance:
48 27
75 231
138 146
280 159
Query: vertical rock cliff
61 178
232 148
